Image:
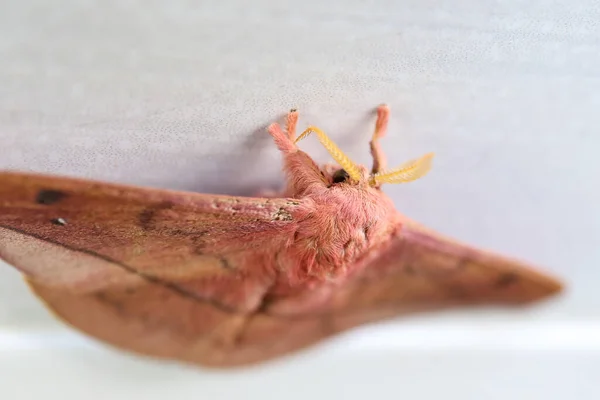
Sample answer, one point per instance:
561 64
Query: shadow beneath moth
227 281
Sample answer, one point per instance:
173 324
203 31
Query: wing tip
539 286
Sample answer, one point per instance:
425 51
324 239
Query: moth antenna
342 159
407 172
379 159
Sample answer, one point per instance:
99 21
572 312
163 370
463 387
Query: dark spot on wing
117 305
48 196
199 241
147 215
506 279
225 264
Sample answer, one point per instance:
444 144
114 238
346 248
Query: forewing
419 269
85 235
159 272
416 270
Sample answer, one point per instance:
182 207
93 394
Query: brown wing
183 276
163 273
422 270
417 270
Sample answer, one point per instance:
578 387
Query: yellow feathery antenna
335 152
406 172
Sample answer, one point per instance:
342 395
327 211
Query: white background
177 95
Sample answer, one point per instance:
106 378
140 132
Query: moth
225 281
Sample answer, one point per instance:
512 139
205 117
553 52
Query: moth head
336 176
347 172
340 176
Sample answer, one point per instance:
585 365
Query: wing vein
148 278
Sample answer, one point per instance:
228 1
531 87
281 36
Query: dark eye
340 176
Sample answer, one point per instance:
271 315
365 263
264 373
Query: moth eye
340 176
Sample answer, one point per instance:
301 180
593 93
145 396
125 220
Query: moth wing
158 272
175 297
86 236
416 270
420 270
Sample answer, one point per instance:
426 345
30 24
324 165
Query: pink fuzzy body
337 223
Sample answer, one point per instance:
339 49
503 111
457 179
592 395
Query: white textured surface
177 95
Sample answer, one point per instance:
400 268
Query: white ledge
494 336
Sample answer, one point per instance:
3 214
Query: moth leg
282 140
292 121
379 160
302 171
